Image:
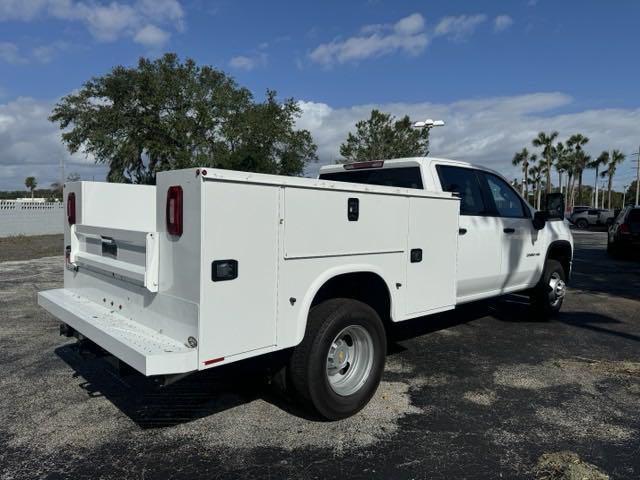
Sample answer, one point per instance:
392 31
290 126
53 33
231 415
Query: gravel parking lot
482 392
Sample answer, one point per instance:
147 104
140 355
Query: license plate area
109 247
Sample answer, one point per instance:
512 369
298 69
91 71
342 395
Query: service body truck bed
155 305
210 266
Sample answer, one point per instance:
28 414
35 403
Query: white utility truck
210 266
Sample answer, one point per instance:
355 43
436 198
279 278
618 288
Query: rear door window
465 183
634 216
405 177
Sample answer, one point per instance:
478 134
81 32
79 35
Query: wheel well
561 251
366 287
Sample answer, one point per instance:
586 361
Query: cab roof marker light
358 165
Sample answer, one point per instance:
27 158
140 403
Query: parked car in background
579 208
624 233
590 217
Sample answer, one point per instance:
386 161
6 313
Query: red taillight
357 165
71 208
174 210
624 228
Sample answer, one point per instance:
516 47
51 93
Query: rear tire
337 367
582 224
547 297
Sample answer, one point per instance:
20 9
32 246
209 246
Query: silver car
591 217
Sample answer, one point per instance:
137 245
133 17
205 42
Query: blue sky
496 71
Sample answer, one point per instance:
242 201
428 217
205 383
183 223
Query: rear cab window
404 177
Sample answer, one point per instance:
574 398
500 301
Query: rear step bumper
144 349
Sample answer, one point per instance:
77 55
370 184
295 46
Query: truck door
479 234
522 258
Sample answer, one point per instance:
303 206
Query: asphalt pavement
486 391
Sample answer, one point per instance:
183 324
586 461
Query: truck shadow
196 396
513 308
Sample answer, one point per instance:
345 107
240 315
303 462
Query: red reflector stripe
213 360
357 165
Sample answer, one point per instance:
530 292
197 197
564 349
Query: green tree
615 159
31 183
73 177
601 161
562 162
580 159
523 158
631 194
382 137
166 114
546 142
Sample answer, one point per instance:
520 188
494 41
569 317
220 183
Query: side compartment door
431 255
238 312
522 245
479 234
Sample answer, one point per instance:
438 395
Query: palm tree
31 183
576 142
546 141
616 158
562 162
601 161
523 157
536 179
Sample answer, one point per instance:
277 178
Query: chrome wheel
557 289
349 360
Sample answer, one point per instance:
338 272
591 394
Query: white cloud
46 53
248 63
502 22
107 22
31 145
10 53
407 35
487 131
151 36
460 27
484 131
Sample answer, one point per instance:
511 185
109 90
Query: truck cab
501 249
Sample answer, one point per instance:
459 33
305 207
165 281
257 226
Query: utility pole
624 194
637 178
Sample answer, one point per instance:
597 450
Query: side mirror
539 220
554 206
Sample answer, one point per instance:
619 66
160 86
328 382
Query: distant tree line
570 160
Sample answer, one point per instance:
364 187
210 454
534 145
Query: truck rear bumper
144 349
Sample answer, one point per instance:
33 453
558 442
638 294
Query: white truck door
480 234
521 243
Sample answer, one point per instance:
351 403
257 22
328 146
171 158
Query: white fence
30 218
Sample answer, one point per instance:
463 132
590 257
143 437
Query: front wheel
337 367
547 297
